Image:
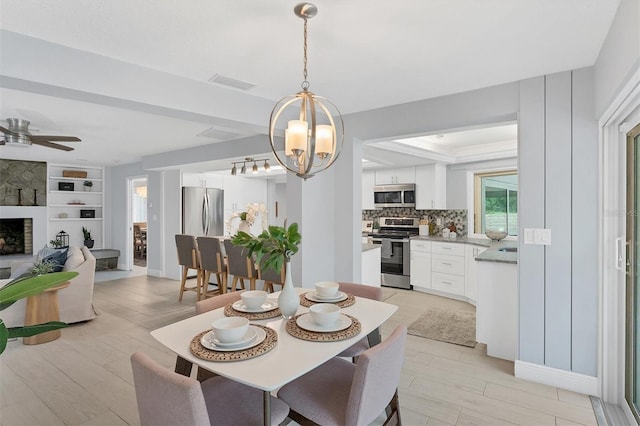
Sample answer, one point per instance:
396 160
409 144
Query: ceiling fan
18 134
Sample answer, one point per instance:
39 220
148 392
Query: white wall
458 190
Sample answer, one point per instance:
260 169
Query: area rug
446 325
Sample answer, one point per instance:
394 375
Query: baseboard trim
122 266
155 273
568 380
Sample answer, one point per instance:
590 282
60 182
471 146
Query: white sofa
75 302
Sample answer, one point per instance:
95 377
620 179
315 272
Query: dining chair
241 266
138 241
342 393
360 290
168 398
188 259
270 277
212 261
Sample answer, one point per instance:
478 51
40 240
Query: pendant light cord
305 83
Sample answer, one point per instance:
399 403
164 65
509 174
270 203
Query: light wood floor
84 378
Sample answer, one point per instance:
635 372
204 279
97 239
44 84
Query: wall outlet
439 221
537 236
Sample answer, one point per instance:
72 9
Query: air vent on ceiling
231 82
219 134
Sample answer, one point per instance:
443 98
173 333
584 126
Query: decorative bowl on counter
495 235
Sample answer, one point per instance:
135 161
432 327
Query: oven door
394 255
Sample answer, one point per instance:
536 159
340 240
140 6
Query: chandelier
254 169
315 131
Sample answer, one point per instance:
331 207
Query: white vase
288 301
244 227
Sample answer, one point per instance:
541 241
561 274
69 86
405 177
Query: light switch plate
537 236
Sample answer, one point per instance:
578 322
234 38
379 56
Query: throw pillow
57 259
45 252
74 258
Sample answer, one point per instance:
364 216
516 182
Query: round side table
41 308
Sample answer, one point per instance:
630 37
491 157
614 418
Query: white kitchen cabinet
70 210
431 187
400 175
368 182
420 264
471 272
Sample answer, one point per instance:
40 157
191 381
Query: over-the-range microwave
395 195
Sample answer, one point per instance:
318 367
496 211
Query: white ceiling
130 78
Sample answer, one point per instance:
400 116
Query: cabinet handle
446 282
445 263
433 203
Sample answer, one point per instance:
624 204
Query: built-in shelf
76 192
75 205
71 219
74 179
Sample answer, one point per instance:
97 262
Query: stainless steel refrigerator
202 211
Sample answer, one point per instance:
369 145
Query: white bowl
253 299
230 329
324 313
495 235
327 288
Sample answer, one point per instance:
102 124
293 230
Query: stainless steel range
393 236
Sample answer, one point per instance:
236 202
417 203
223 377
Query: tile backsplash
458 217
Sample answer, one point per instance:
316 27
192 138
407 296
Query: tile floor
84 378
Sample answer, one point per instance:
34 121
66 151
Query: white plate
258 336
306 322
248 336
314 297
268 305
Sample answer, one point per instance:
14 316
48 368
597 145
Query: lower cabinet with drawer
450 267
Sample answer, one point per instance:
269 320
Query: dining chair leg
252 283
393 410
268 287
206 276
234 282
183 366
183 282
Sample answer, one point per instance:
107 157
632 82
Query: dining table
290 358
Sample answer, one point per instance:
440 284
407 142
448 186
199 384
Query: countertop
491 254
367 247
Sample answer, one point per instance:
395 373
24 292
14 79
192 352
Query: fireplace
16 236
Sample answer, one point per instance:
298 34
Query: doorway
138 223
632 290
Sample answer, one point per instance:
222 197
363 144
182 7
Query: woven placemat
230 312
350 300
294 329
265 346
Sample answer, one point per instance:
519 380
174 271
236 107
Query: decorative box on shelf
65 186
87 214
74 173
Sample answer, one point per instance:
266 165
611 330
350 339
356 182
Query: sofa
75 302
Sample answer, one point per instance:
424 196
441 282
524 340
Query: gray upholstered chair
368 292
212 261
241 266
270 277
342 393
188 259
168 398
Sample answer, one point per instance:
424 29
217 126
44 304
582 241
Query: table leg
266 402
183 366
374 337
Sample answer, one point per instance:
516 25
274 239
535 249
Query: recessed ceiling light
231 82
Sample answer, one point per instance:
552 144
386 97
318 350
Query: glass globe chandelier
315 131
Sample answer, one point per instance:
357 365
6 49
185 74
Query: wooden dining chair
188 258
342 393
168 398
241 266
270 277
359 290
212 261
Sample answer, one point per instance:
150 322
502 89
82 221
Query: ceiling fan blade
45 138
51 145
4 130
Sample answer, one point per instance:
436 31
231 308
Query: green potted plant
86 185
25 286
88 241
273 249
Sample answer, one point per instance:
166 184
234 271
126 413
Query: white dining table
291 358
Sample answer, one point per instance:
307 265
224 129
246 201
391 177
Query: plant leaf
32 330
4 336
32 285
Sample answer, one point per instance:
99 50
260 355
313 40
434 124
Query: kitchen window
496 201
